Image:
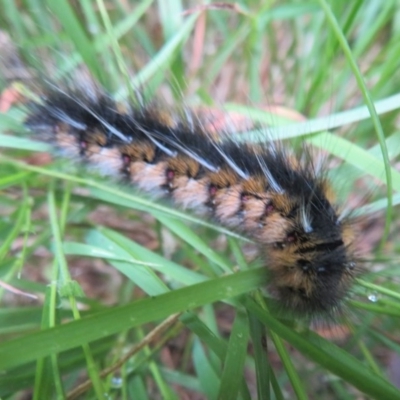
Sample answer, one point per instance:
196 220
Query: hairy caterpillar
258 190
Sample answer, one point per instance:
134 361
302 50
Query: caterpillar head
312 267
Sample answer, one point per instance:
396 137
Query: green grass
334 62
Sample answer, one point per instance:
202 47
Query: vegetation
185 316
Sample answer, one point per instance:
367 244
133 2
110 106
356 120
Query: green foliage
334 62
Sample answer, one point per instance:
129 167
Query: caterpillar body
259 190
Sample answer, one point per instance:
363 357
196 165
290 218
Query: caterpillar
258 190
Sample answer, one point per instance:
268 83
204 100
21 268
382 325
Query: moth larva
258 190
